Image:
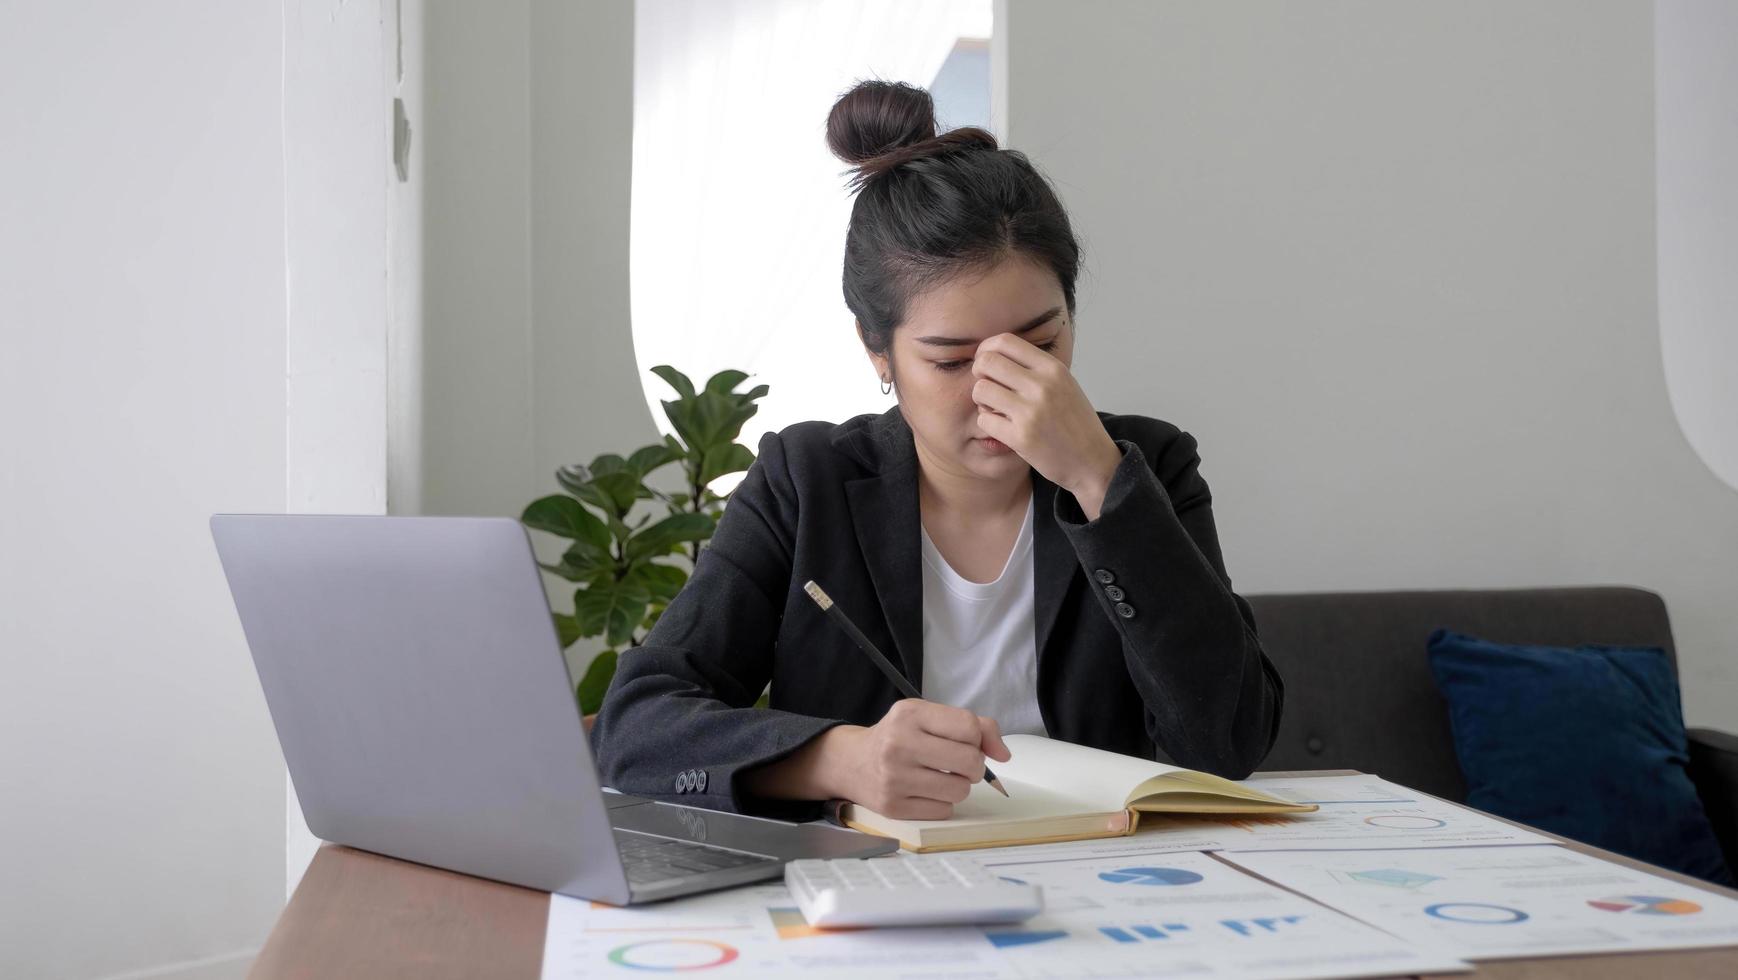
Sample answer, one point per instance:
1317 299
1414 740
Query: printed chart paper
1489 903
1125 914
1187 914
1357 812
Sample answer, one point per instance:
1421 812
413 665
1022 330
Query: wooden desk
357 914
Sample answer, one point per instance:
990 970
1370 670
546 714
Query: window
739 210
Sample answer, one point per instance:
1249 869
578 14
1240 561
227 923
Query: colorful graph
670 955
1475 913
1261 926
1134 934
1646 905
1002 939
1393 877
1149 876
1404 821
790 924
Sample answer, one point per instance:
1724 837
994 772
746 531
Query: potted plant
620 564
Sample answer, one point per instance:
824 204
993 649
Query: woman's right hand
916 762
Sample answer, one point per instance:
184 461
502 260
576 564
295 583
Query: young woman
1033 564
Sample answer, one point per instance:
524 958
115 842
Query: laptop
419 691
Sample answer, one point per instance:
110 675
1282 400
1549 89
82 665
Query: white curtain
1696 156
739 210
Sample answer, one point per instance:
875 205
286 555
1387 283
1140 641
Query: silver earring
886 386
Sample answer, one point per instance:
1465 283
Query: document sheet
1355 812
1125 914
1401 884
1493 902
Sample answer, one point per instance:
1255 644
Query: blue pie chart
1150 876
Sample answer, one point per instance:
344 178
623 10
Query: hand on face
1028 400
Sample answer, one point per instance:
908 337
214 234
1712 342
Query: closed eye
957 365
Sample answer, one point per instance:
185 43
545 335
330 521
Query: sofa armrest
1714 770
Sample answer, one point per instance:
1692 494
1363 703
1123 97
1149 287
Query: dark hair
931 207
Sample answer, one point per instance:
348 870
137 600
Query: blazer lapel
1054 562
885 515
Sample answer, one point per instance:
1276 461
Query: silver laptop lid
420 694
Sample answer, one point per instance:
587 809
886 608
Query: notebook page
1025 801
1097 780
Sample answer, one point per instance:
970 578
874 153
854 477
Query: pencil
893 673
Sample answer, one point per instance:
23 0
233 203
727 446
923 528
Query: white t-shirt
980 646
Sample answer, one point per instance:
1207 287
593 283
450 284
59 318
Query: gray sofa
1359 692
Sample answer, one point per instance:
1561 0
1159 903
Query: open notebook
1061 791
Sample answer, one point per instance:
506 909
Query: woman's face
931 359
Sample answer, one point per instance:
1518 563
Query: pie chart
1149 876
1646 905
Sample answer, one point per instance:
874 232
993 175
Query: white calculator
907 890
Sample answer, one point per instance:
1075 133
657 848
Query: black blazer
1142 646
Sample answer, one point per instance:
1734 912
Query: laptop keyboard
648 859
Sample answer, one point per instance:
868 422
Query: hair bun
875 117
877 126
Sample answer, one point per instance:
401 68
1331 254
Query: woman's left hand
1030 401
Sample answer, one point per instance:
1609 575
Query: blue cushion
1587 742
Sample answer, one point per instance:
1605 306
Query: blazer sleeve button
1125 610
700 787
682 782
1104 576
1114 592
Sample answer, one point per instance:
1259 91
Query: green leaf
724 382
621 488
662 582
648 458
668 534
565 517
611 608
572 477
577 481
620 530
582 562
566 629
732 458
707 419
675 379
683 420
737 414
596 682
566 571
607 463
589 557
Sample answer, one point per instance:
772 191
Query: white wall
142 363
1393 264
527 358
476 411
340 71
586 393
405 204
